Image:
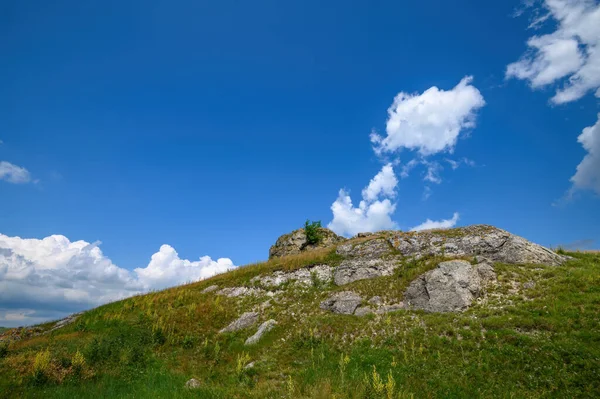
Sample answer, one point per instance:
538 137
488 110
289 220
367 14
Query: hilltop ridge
473 311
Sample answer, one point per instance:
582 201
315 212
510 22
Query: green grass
542 341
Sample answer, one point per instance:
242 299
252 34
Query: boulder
295 243
493 243
263 329
344 302
451 287
245 320
192 384
360 269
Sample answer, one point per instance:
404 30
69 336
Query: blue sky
214 127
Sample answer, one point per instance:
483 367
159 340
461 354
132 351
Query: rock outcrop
305 276
344 302
295 242
262 330
245 320
451 287
496 244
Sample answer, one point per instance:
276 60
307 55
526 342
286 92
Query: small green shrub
3 349
313 235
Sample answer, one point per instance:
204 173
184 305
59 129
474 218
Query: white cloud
429 122
588 171
13 173
48 278
167 269
570 51
440 224
373 212
384 183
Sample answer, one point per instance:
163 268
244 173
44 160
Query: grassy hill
536 334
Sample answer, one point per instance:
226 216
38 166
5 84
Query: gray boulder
295 242
344 302
263 329
245 320
192 384
360 269
451 287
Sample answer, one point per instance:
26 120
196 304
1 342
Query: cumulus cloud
51 277
570 54
13 173
439 224
373 213
430 122
167 269
384 183
588 171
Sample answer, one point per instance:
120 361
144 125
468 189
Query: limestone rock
344 302
302 276
486 272
450 287
360 269
192 384
375 248
263 329
390 308
246 320
376 300
295 242
491 242
210 289
363 311
233 292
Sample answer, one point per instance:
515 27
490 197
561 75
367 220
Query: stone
304 276
376 300
210 289
486 272
478 240
374 248
295 243
233 292
529 285
390 308
192 384
363 311
344 302
451 287
249 366
263 329
360 269
244 321
362 235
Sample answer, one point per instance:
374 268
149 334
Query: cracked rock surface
450 287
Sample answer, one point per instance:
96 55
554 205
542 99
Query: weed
41 367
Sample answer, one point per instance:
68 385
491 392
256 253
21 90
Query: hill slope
534 331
